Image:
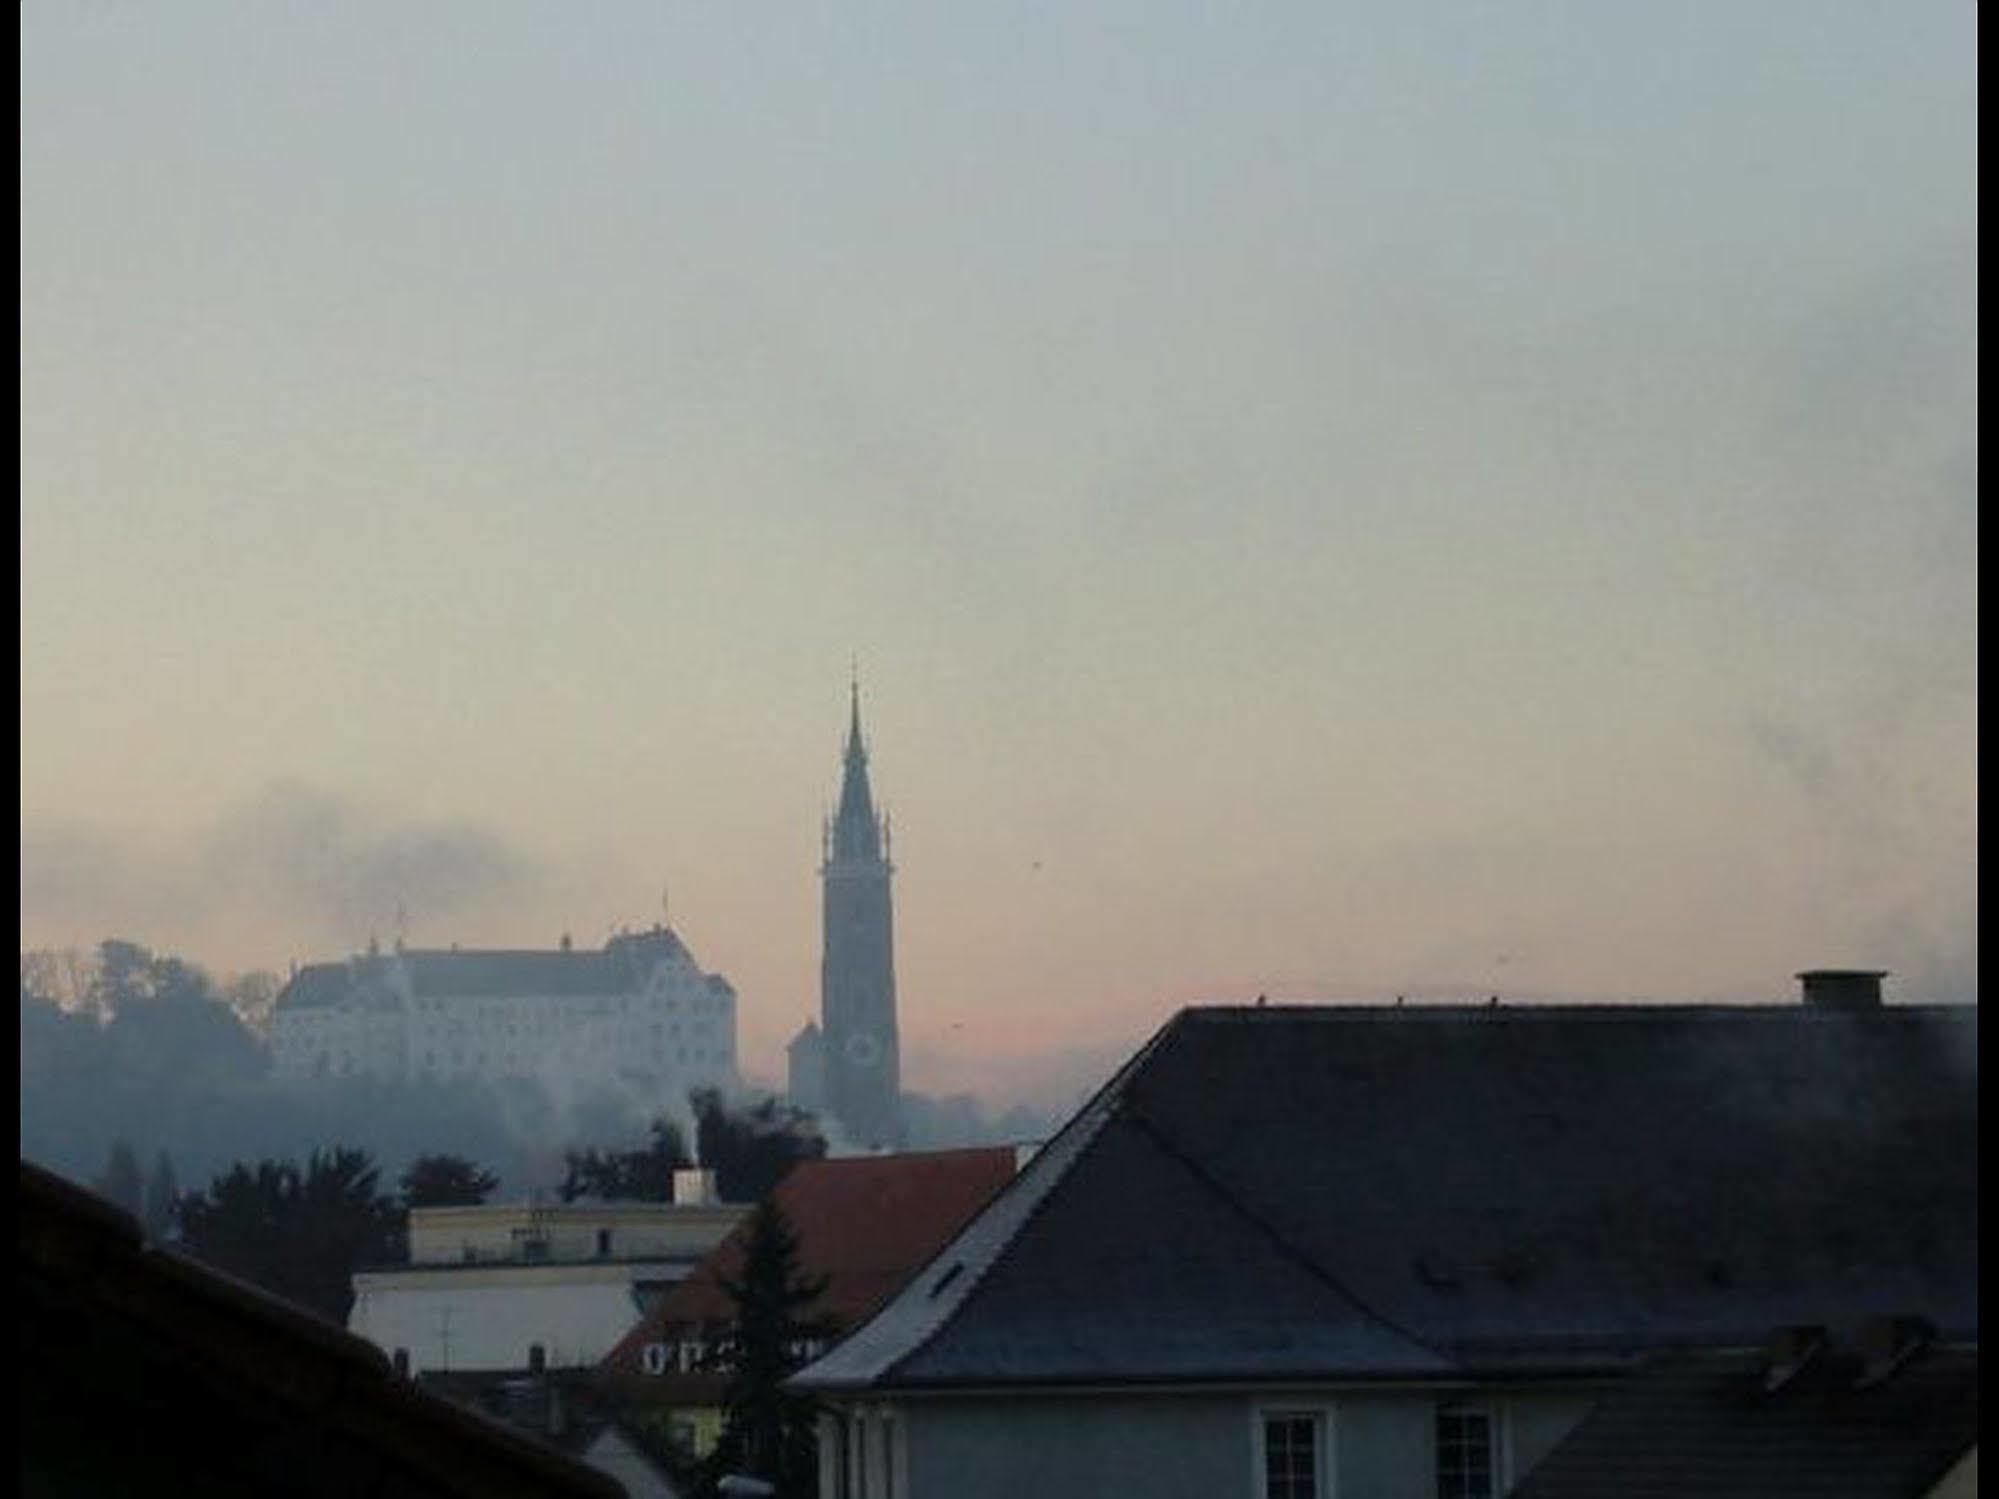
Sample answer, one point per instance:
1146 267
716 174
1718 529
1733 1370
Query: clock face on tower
862 1049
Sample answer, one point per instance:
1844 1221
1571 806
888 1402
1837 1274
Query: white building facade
640 1005
513 1288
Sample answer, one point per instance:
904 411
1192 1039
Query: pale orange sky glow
1325 505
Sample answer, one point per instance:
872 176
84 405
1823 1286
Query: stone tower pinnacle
862 1053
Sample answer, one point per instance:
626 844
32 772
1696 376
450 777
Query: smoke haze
1333 501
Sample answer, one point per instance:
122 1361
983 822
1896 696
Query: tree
298 1234
162 1190
122 978
253 998
751 1149
122 1181
165 1020
445 1181
60 977
642 1175
768 1431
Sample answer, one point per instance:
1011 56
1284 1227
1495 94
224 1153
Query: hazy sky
1329 499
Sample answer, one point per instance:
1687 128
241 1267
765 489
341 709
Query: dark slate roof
1702 1426
621 967
1331 1192
150 1372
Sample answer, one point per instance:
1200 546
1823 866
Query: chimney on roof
1842 988
694 1186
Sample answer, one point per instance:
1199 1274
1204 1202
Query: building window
1293 1455
1467 1456
603 1243
841 1430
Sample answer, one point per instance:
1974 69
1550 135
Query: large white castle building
639 1006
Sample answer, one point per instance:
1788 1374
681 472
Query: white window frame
877 1452
1325 1428
1499 1442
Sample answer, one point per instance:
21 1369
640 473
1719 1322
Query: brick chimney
1842 988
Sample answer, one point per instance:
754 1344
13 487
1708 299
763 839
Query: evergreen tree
298 1234
445 1181
750 1149
642 1175
122 1181
161 1191
768 1431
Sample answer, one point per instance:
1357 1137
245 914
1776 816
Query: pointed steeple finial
855 832
854 706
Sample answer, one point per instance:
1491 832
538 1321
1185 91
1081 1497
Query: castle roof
622 965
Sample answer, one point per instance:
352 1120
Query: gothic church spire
856 830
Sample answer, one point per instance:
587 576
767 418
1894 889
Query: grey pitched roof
1703 1425
620 967
1350 1192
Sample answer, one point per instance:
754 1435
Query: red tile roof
866 1223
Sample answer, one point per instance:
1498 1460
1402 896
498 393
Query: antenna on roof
665 905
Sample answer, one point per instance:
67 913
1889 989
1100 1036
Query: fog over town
864 583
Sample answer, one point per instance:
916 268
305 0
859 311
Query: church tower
861 1056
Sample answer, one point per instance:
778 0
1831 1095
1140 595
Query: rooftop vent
1842 988
1787 1352
1887 1343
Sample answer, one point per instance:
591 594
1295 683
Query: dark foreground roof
1704 1427
145 1372
1311 1193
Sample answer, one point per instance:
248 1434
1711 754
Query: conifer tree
122 1181
162 1190
299 1234
768 1431
445 1181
